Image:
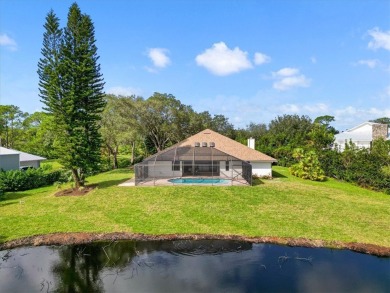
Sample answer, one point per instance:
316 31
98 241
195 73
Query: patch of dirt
76 191
83 238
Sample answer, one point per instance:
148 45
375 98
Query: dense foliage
16 180
365 167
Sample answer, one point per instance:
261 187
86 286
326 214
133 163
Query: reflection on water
190 266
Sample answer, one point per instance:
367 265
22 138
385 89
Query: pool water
199 181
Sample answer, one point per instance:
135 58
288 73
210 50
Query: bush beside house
16 180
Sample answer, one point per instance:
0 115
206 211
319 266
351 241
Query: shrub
16 180
308 166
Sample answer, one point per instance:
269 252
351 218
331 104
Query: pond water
190 266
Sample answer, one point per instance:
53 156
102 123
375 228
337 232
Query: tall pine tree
71 87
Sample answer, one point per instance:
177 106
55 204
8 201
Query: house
362 135
206 154
14 160
9 159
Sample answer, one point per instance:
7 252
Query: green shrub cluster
16 180
368 168
308 166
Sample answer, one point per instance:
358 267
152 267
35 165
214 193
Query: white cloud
287 78
372 63
287 71
317 108
289 109
312 109
8 42
380 39
351 116
124 91
261 58
159 57
220 60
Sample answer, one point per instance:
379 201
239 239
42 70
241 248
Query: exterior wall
235 169
9 162
261 169
162 169
358 143
34 164
222 169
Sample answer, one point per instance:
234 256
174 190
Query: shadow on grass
6 204
120 171
109 183
257 182
12 196
277 174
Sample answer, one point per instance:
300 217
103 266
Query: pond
190 266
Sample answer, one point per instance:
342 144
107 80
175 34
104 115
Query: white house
362 135
13 159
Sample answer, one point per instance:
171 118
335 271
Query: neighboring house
14 160
206 154
362 135
9 159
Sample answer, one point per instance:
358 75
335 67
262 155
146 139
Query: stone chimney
379 131
251 143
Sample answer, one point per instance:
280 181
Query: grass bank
283 207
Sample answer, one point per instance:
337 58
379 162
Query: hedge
16 180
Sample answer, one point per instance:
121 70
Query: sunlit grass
285 206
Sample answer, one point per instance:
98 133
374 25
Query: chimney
379 131
251 143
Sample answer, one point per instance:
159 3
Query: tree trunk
76 178
132 153
115 154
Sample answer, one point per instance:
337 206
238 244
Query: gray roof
5 151
23 157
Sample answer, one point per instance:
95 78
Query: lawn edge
84 238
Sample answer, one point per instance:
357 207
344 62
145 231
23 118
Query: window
176 166
227 166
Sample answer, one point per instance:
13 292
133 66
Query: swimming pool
199 181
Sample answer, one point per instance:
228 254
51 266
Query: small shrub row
16 180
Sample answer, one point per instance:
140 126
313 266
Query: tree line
138 127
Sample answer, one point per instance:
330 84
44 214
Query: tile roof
225 145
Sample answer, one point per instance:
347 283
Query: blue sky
248 60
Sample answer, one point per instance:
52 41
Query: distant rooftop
23 157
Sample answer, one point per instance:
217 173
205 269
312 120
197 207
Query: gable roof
226 145
23 157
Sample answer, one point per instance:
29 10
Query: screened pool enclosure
193 162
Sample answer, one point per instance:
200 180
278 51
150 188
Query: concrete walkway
128 183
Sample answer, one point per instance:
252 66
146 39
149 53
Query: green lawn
285 207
